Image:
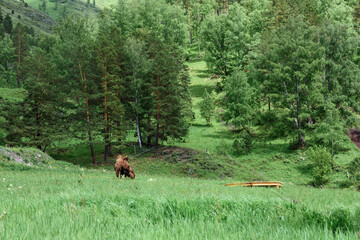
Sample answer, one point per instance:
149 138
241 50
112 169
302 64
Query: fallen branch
143 152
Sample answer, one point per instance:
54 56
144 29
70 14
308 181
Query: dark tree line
101 84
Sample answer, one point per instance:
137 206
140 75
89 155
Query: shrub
222 148
354 171
243 145
320 160
237 146
276 124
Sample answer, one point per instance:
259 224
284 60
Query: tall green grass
76 203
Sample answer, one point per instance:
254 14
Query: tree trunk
149 114
106 130
19 60
199 43
188 16
225 68
106 152
89 133
149 129
138 131
119 139
324 81
92 148
300 137
86 99
157 112
136 110
38 134
216 7
277 17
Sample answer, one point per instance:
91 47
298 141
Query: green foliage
330 131
207 106
1 17
237 146
8 25
320 160
354 171
7 74
243 144
44 117
22 47
223 148
239 101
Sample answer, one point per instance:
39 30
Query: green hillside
59 9
32 13
28 16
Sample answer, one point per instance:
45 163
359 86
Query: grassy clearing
76 203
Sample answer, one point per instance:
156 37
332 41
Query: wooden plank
256 184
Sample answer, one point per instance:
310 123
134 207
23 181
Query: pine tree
21 44
226 40
207 106
1 17
330 131
8 26
43 6
139 67
7 56
293 60
166 91
56 5
108 49
239 101
43 121
76 60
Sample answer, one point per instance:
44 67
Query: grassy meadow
78 203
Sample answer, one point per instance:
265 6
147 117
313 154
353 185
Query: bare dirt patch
355 136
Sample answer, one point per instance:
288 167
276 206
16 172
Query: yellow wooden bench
256 184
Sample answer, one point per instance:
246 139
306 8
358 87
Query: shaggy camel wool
122 167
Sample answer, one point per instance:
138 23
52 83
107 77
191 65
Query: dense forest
288 69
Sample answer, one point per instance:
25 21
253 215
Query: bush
222 148
243 145
320 160
276 124
354 171
237 146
